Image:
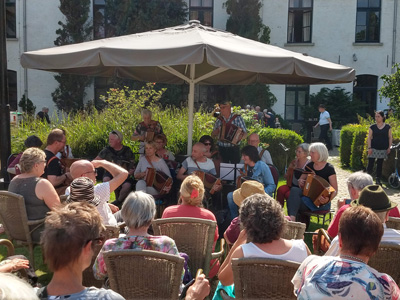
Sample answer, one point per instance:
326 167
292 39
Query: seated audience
14 288
375 198
162 152
67 241
66 152
255 169
297 203
55 171
263 223
293 173
138 211
191 197
150 160
39 194
348 276
211 152
85 168
122 156
248 188
265 156
31 141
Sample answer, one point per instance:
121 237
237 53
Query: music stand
230 171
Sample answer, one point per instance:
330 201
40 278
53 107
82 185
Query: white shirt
266 157
323 118
389 235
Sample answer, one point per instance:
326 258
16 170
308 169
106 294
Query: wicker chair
88 277
10 252
294 230
386 260
14 218
144 274
193 236
393 223
263 278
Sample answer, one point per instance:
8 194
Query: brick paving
342 175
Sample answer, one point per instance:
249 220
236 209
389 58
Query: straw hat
248 188
374 197
82 190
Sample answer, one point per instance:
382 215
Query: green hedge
346 140
273 137
358 149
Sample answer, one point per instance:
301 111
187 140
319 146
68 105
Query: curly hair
30 157
190 184
263 219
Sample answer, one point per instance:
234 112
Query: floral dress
155 243
329 277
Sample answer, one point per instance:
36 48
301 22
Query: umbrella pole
191 108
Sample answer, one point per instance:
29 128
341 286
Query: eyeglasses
97 241
207 144
94 171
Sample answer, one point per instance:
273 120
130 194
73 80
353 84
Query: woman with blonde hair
190 199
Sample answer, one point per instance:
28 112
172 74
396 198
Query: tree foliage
391 89
70 93
340 104
244 20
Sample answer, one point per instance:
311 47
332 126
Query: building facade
356 33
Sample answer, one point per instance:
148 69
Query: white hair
14 288
138 210
359 180
146 112
321 149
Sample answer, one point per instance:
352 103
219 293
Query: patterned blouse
155 243
329 277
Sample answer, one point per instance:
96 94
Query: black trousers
230 154
323 136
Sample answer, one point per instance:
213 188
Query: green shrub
346 140
358 147
273 137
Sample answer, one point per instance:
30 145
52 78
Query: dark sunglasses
97 241
207 144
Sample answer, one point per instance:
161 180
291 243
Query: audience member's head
253 139
304 147
56 136
82 190
67 230
33 141
115 139
30 157
83 168
356 182
360 231
14 288
247 189
374 197
262 218
138 210
207 141
160 141
192 190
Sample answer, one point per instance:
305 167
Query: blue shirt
262 173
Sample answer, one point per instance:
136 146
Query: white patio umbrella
189 53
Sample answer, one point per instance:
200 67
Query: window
368 21
202 10
12 90
11 20
300 21
98 19
365 89
296 98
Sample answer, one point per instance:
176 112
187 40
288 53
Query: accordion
149 136
67 162
231 133
158 180
315 187
209 181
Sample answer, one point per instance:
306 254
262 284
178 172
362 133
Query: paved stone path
342 175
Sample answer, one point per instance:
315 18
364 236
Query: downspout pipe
395 4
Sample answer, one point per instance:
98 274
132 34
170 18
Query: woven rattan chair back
88 277
263 278
294 230
15 220
144 274
393 223
192 236
8 245
386 260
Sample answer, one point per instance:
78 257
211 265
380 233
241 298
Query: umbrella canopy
189 53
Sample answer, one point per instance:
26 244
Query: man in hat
123 156
230 153
374 197
84 168
248 188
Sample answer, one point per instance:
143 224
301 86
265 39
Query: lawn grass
45 275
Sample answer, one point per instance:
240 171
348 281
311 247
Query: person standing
230 153
43 115
147 130
379 142
325 123
269 118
